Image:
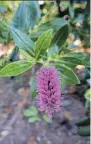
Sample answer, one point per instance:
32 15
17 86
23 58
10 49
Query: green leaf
33 119
87 94
84 131
68 76
43 43
54 24
20 18
22 40
87 104
33 13
27 14
27 113
31 111
32 84
71 10
83 122
60 36
46 118
15 68
73 59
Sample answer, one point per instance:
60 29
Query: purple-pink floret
49 91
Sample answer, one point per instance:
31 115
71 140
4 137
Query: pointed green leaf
76 59
15 68
20 17
71 10
71 60
43 43
27 14
60 36
67 75
33 13
54 24
22 40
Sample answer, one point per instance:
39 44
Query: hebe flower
49 92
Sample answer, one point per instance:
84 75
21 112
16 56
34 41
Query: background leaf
71 10
27 15
22 40
33 13
33 119
60 36
32 84
87 94
54 24
31 111
20 18
46 118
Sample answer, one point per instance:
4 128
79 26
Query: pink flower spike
49 91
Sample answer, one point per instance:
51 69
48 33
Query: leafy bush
46 44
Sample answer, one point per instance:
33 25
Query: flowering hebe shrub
49 91
46 47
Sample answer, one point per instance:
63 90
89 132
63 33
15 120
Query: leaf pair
32 114
26 46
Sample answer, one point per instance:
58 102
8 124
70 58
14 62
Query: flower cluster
49 92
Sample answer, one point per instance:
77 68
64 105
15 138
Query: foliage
46 42
32 84
82 130
32 114
27 14
5 36
38 51
88 98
